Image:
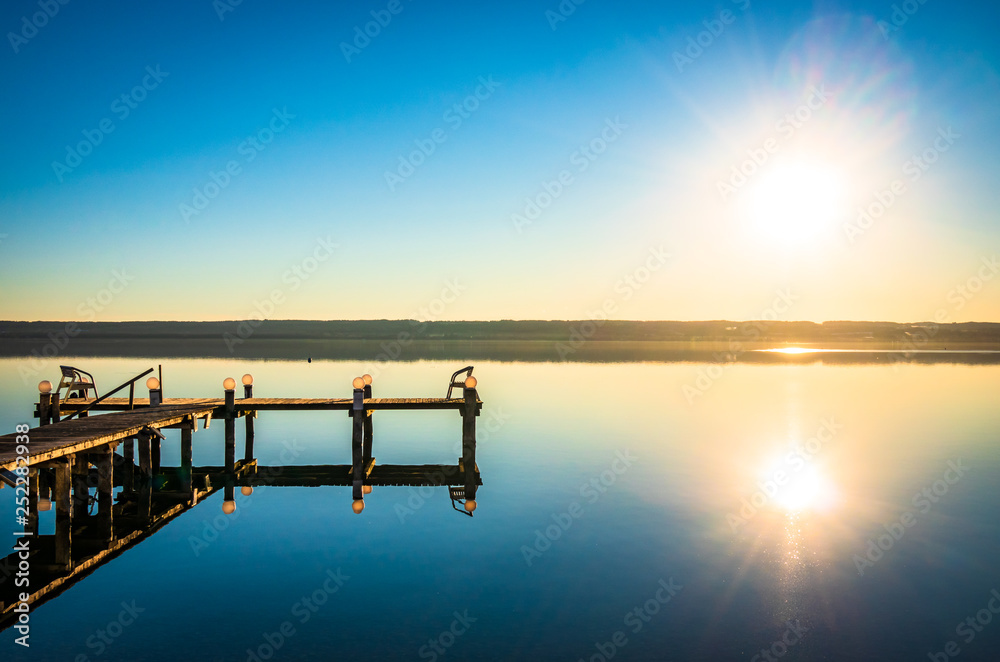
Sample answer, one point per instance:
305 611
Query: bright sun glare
809 490
794 201
791 350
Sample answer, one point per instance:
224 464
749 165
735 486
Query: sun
795 201
808 490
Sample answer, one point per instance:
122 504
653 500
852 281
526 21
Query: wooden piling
64 514
81 492
33 477
357 442
248 440
230 431
105 461
469 413
154 455
144 503
366 451
186 456
54 413
128 454
145 444
44 408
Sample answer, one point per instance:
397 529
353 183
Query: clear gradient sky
622 122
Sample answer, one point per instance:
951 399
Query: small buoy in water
470 506
246 490
358 506
367 489
228 506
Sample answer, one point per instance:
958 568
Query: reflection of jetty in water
73 468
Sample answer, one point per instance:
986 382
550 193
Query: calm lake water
628 510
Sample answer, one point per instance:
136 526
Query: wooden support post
229 490
54 413
33 477
248 445
81 492
128 454
469 442
357 437
145 440
44 408
230 437
64 514
145 501
154 455
105 460
366 453
186 455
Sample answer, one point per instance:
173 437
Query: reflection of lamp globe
228 506
358 506
470 506
152 383
246 490
45 386
470 382
229 384
366 489
358 382
247 379
367 378
44 504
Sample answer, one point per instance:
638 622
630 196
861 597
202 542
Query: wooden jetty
72 452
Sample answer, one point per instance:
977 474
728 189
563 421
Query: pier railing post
44 402
248 393
54 413
229 502
357 439
155 392
366 452
469 413
155 400
230 386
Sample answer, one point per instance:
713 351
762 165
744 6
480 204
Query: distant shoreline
573 341
236 333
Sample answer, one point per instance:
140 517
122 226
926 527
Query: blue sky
665 131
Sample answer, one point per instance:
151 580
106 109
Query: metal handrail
130 382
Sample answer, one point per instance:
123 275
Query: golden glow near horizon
791 350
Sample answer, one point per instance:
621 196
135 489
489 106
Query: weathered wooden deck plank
67 437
